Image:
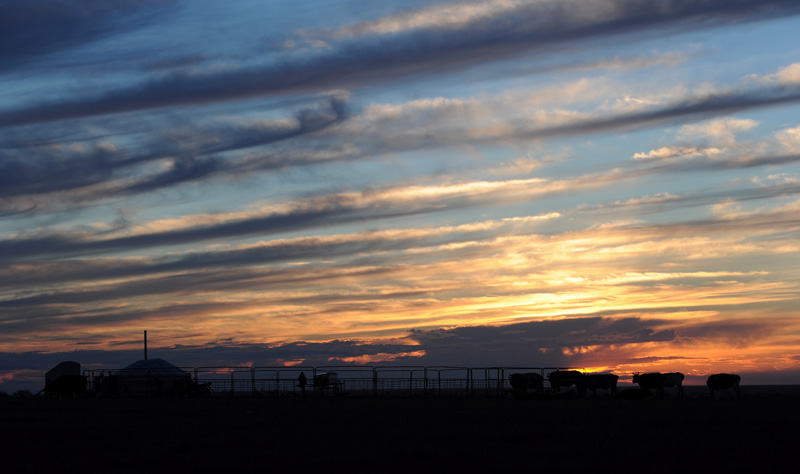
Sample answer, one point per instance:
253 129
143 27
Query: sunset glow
605 184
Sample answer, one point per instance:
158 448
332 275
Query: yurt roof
151 367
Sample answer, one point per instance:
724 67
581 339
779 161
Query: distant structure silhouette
724 382
658 382
328 380
521 383
65 381
146 377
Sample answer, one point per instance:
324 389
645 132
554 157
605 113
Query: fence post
232 389
501 382
375 382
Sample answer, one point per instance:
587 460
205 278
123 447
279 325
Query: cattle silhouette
521 383
724 382
566 379
596 382
658 382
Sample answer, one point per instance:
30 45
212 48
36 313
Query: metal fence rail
367 381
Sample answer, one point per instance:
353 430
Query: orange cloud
377 358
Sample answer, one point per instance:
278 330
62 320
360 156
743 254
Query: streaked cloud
603 184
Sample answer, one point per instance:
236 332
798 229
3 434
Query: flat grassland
402 435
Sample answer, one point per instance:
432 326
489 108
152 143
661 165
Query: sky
611 185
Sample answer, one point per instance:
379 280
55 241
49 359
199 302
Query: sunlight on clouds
572 92
695 357
603 87
622 98
786 76
607 184
659 198
505 282
447 15
579 350
721 132
520 15
732 210
633 103
714 356
498 109
520 166
790 75
409 196
673 152
600 288
463 189
377 358
789 138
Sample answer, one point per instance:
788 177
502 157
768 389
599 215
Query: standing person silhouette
302 381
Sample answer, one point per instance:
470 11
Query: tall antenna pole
145 344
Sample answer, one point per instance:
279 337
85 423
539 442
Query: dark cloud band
361 61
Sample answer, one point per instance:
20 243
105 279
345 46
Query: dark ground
757 434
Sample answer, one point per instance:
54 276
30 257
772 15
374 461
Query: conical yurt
150 377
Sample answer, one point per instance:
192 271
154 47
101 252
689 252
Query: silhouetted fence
367 381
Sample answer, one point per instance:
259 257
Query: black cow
674 379
594 382
651 381
659 382
567 378
521 383
724 382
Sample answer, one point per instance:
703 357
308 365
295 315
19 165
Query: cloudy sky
602 184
